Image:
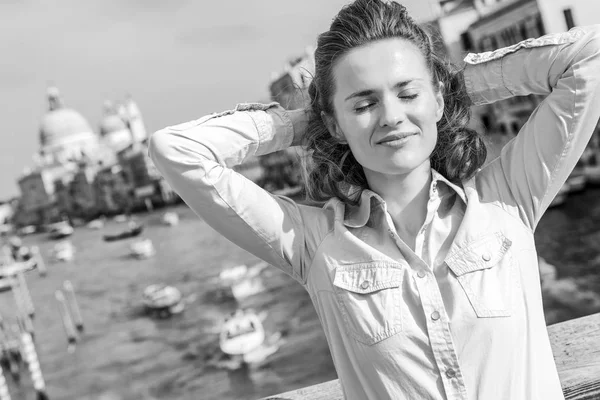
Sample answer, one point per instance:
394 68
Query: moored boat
133 231
63 251
142 249
162 301
170 218
60 230
241 334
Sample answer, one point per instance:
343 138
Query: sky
179 59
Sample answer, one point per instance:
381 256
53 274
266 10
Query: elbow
159 145
591 45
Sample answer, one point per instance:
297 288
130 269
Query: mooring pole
41 266
31 358
67 321
27 302
75 311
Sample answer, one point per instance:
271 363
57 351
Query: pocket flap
481 254
368 277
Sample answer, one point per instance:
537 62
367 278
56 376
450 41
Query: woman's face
386 107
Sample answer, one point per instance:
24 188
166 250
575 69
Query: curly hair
332 170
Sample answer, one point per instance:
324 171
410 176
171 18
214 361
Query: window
569 18
467 44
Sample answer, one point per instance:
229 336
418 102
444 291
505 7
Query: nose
392 113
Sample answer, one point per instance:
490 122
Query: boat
170 218
120 218
11 270
63 251
133 231
6 229
96 224
243 281
60 230
561 196
162 301
241 334
142 249
27 230
243 341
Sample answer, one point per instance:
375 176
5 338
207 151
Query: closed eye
408 97
364 107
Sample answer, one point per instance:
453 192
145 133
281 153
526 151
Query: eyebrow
369 92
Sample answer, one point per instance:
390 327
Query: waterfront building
290 86
78 173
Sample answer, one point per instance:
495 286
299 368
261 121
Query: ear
439 99
333 127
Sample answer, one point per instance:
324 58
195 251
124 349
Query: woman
421 264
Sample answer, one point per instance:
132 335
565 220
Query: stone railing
576 347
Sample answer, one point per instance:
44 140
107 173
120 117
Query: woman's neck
406 198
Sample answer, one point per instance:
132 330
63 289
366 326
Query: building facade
78 173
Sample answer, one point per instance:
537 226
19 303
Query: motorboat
27 230
243 281
133 231
162 301
241 334
6 229
120 218
142 249
63 251
170 218
15 268
96 224
243 340
60 230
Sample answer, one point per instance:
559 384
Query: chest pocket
486 272
369 296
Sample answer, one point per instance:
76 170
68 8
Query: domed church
76 169
64 133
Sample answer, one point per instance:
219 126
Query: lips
395 136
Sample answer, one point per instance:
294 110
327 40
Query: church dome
111 123
60 125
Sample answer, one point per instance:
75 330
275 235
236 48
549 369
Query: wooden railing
576 348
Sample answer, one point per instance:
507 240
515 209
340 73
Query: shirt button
365 284
421 274
435 315
450 373
486 257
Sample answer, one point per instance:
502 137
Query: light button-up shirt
461 316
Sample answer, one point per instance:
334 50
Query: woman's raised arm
196 159
566 67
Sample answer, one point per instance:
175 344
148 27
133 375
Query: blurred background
128 294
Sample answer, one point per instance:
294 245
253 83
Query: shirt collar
357 216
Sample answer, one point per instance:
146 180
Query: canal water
123 354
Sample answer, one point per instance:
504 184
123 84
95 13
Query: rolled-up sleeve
565 68
197 157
